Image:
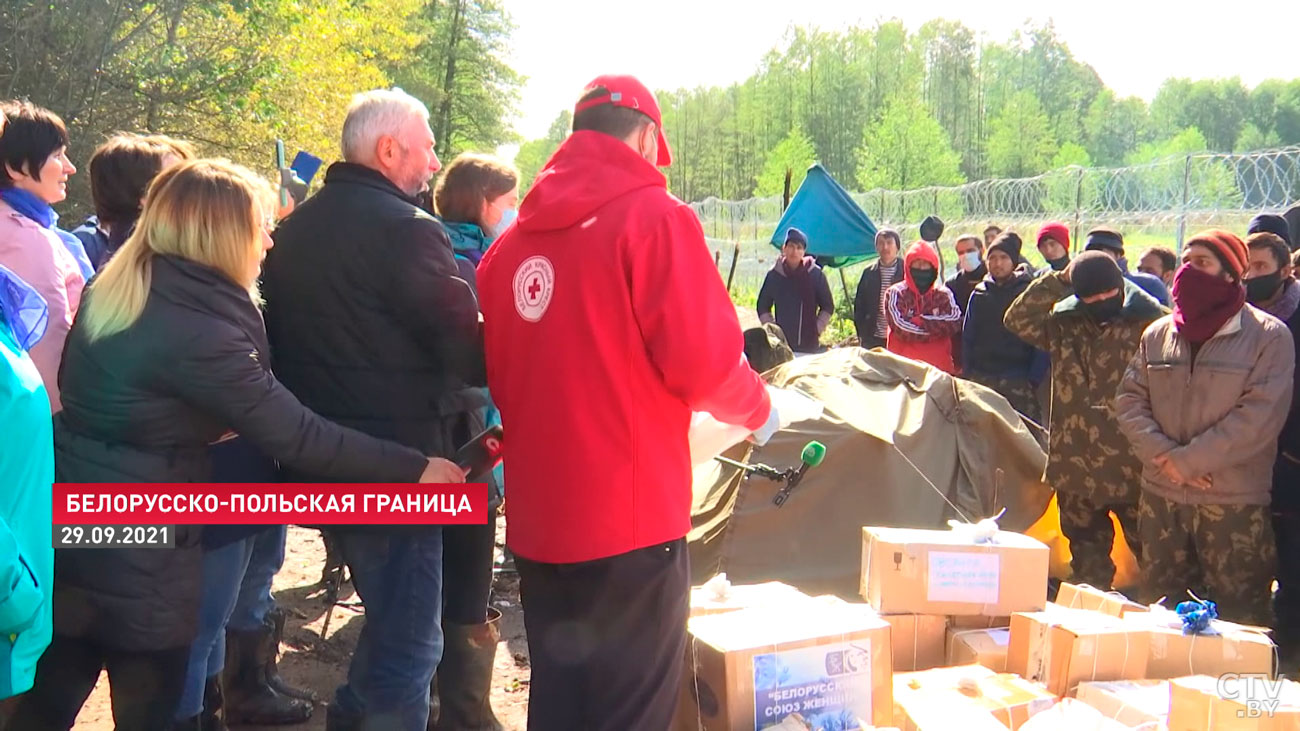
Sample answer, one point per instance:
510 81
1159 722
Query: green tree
1217 108
230 75
534 154
1021 143
1252 139
1188 141
460 72
796 154
1067 186
1114 128
950 54
1071 154
907 149
1178 171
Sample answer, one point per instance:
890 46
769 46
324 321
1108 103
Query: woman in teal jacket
475 199
27 468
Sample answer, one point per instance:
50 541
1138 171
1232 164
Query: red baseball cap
628 92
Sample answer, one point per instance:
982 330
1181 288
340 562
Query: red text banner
269 504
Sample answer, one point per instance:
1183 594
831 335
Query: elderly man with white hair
371 326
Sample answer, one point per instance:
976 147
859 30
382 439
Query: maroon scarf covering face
1204 303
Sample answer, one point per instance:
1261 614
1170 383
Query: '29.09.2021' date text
114 536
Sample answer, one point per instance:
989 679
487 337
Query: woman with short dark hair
475 198
34 172
120 172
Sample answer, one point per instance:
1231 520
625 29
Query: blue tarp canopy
839 231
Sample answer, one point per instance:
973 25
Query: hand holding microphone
442 471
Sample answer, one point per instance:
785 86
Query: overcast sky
560 45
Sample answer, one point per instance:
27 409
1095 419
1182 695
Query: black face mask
924 278
1262 289
1104 310
1059 265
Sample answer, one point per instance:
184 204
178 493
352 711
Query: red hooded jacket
921 326
606 325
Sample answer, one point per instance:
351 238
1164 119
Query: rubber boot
276 618
335 721
464 679
249 696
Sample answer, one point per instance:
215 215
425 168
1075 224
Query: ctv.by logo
1261 695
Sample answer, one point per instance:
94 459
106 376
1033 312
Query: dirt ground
310 662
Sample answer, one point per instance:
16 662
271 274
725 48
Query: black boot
276 618
335 721
464 677
249 696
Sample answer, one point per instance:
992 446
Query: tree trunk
173 26
454 32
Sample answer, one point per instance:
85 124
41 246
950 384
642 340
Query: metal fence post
1182 214
1078 209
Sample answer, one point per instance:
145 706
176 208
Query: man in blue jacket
802 297
1111 242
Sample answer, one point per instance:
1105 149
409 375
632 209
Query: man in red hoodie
923 316
606 325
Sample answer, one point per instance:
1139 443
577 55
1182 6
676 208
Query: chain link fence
1156 204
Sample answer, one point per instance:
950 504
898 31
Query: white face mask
970 261
507 217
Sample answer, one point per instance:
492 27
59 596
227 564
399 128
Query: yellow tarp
1048 530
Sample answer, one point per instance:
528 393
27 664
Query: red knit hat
1057 231
1225 244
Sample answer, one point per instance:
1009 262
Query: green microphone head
813 454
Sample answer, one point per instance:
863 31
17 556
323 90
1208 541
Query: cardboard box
918 641
743 596
1134 703
1065 647
753 668
1234 649
1083 596
987 647
973 621
970 698
1071 714
909 571
1258 704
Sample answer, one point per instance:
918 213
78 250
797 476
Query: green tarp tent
839 231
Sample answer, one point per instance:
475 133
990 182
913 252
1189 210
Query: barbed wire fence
1156 204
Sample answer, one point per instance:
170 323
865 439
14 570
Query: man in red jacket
923 315
606 325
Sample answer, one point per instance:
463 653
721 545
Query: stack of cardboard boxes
958 634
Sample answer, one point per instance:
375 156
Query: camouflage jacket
1087 453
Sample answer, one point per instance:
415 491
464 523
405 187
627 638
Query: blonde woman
167 356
